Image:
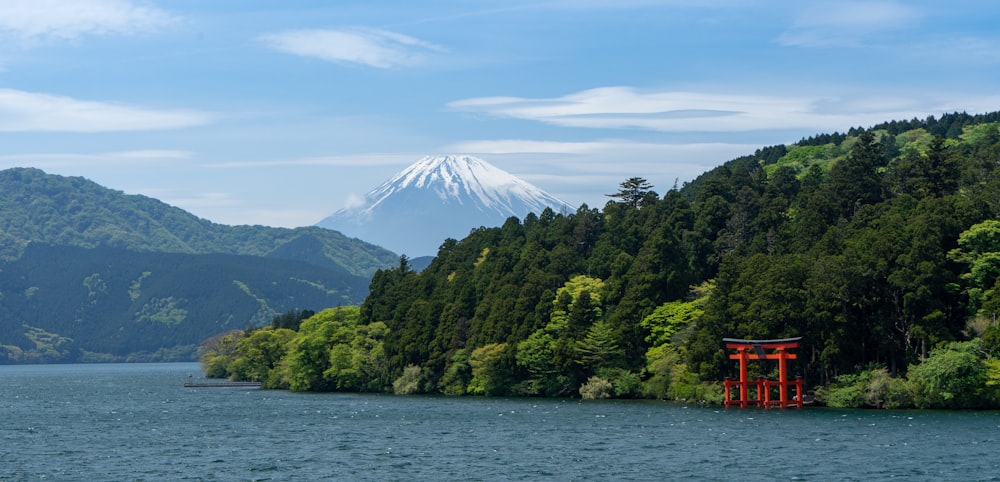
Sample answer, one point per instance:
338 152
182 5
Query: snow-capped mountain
439 197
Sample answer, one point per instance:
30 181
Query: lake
138 422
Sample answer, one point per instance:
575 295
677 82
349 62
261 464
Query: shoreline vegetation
880 247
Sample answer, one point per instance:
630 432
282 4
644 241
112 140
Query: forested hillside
91 274
73 211
879 247
70 304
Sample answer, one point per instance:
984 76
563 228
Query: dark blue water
138 422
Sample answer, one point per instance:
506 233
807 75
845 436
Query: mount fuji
439 197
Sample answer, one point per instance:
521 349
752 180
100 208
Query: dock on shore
219 384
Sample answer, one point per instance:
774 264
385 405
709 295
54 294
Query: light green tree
218 353
669 376
334 351
567 296
259 356
487 370
979 248
599 349
953 376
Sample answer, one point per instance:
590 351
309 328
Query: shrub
953 376
886 391
625 384
848 392
596 388
872 388
409 382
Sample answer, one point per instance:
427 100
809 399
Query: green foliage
599 348
633 192
624 383
334 351
488 375
259 357
872 388
536 354
979 249
409 382
291 319
992 390
217 353
954 376
596 388
991 340
166 311
671 379
801 157
673 316
458 374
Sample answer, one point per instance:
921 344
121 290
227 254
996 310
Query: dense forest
879 247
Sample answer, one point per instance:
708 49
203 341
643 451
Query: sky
281 112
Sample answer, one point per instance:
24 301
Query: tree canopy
878 247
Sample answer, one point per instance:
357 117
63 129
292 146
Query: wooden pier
219 384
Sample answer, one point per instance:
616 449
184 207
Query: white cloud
34 20
371 47
667 111
846 24
28 111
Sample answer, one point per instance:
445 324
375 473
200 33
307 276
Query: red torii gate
755 350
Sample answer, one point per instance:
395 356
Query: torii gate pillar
756 350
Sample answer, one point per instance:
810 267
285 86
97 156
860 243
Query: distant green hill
91 274
73 211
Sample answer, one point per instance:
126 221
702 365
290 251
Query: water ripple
136 422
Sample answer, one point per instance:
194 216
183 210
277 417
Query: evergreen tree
634 192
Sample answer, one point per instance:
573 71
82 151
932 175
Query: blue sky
281 112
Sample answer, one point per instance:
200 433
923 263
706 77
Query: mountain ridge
74 211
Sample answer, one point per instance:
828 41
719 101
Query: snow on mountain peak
461 178
439 197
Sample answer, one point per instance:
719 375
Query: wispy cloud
598 166
848 24
605 157
961 50
522 146
372 47
669 111
22 111
114 159
43 20
346 160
